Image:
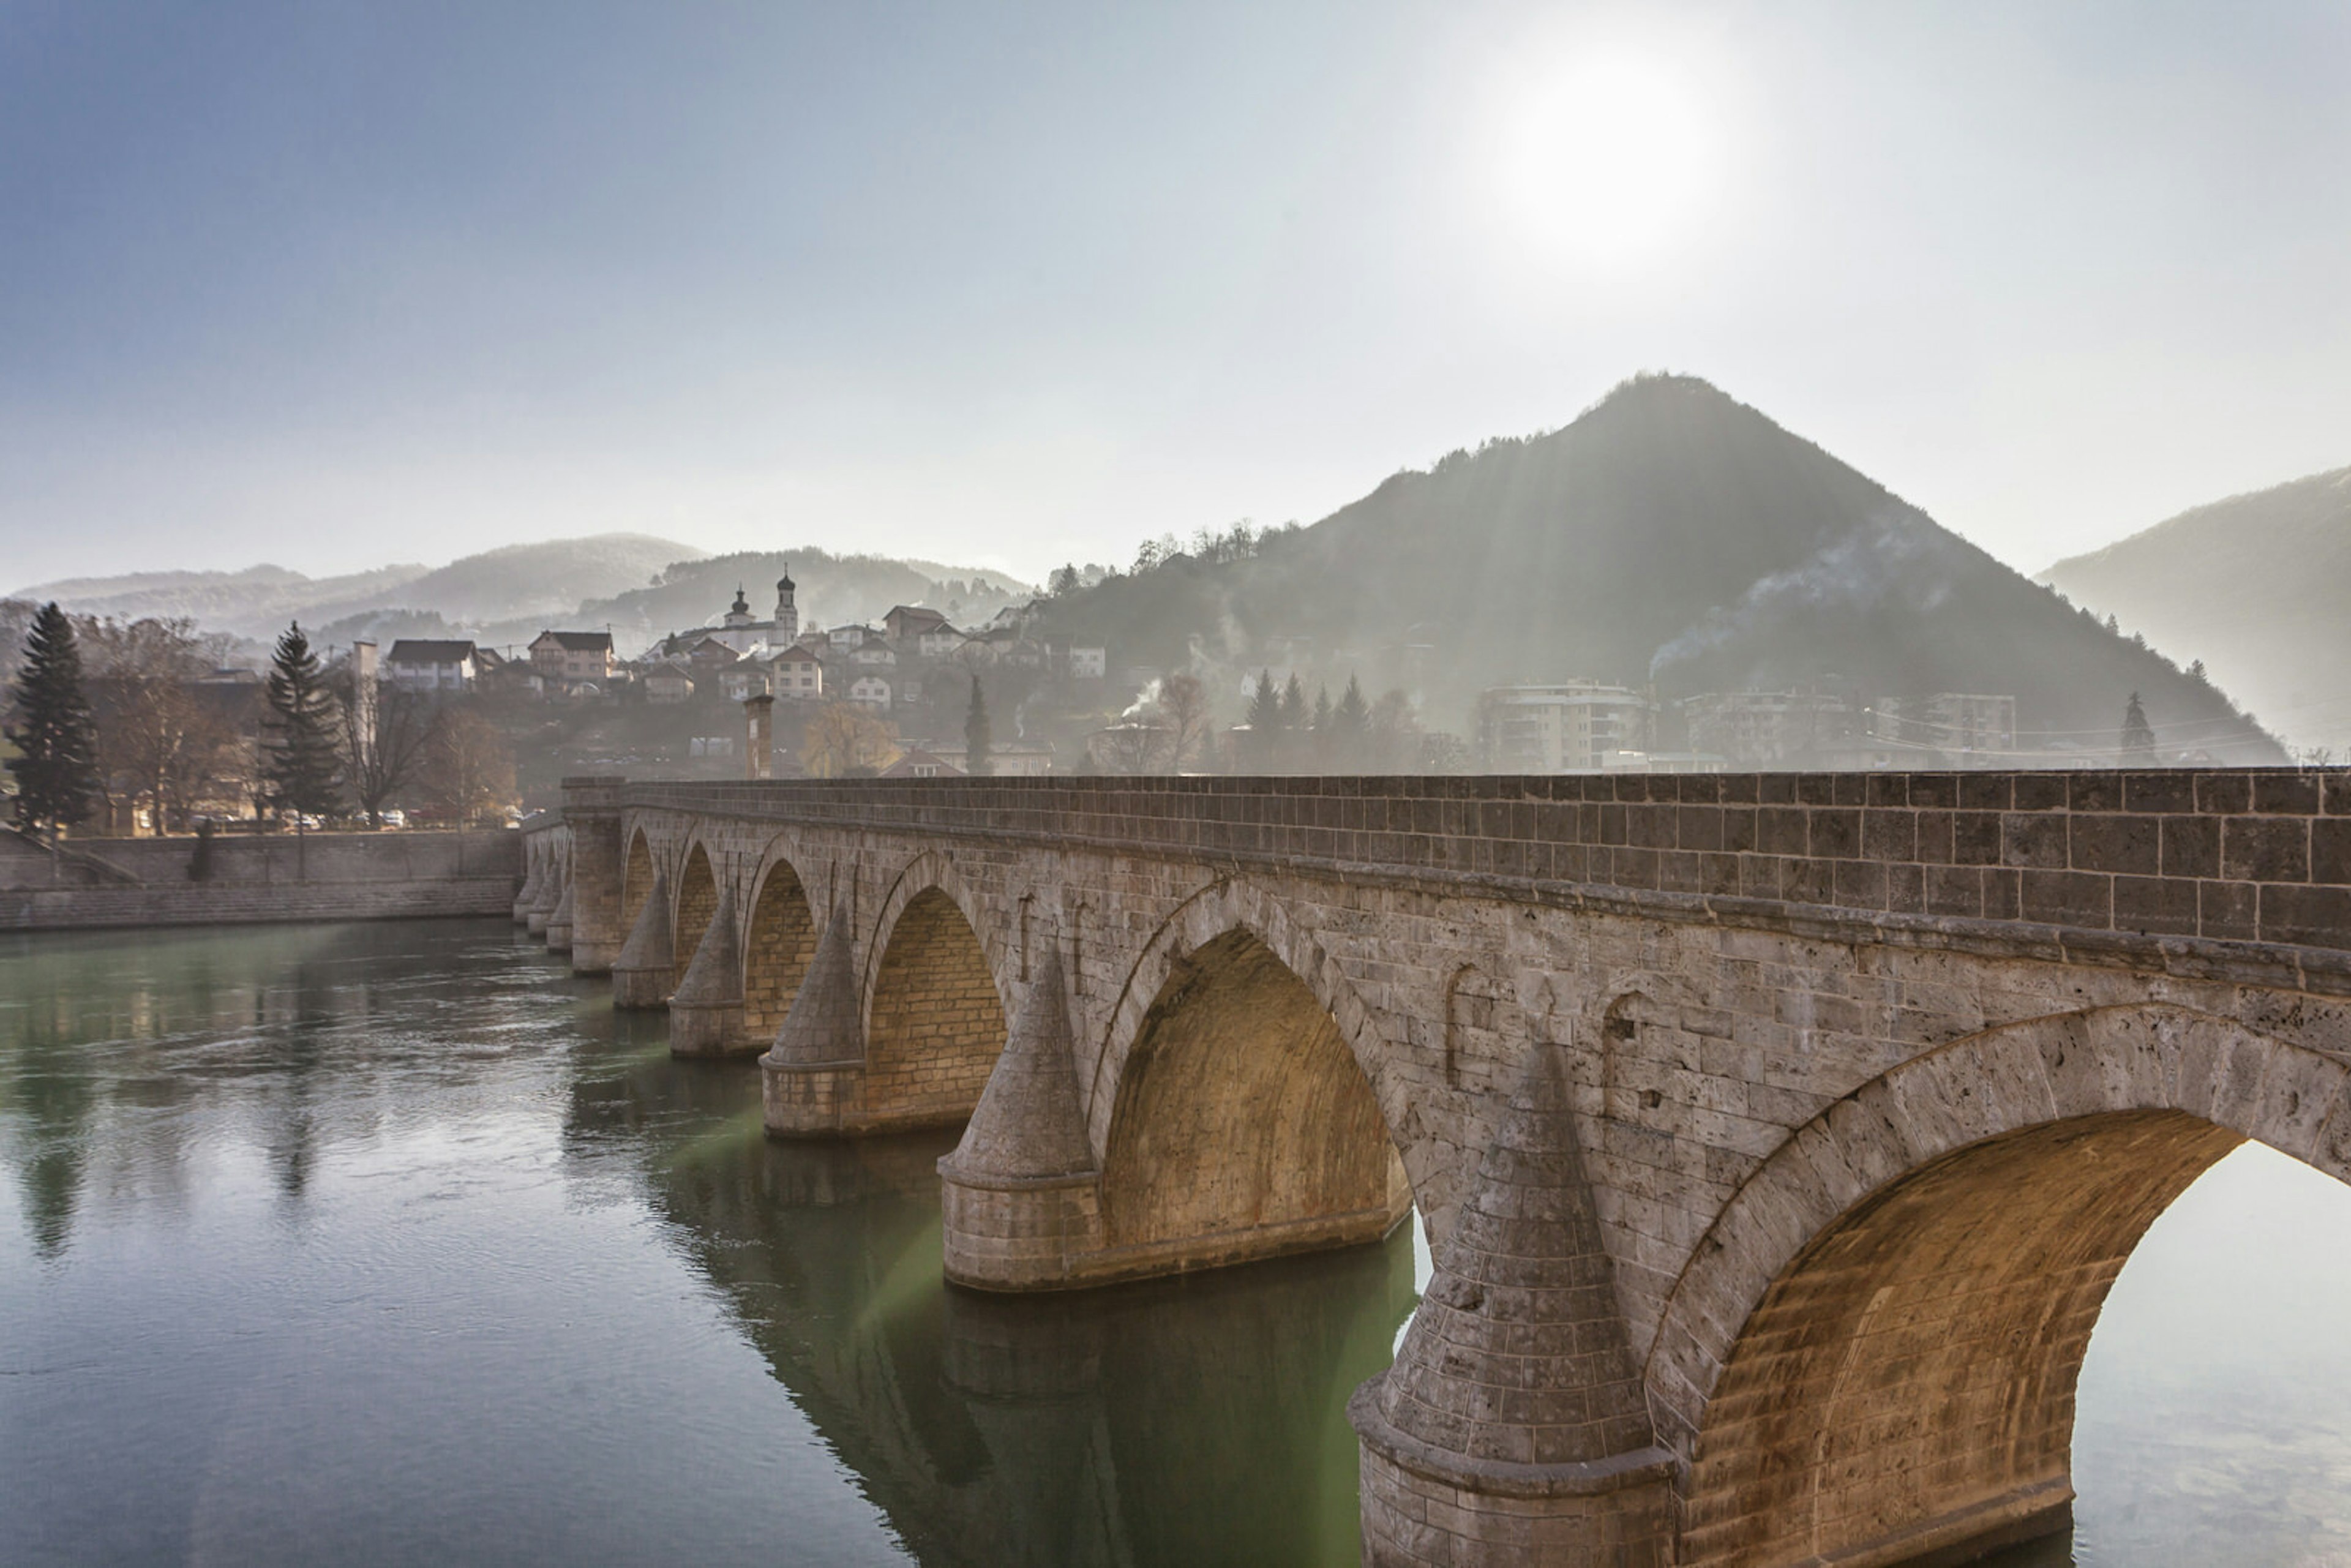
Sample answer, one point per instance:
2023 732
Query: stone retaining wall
334 876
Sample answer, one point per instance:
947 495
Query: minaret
787 618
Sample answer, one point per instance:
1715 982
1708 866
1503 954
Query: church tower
787 618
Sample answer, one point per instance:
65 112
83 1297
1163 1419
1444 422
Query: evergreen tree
57 774
1290 728
975 736
1265 705
302 733
1322 737
1351 722
1264 722
2138 735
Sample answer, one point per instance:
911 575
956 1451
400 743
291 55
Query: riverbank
100 884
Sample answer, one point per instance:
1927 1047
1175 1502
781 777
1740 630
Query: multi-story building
1968 729
432 664
1563 728
921 633
573 655
798 676
870 691
1812 727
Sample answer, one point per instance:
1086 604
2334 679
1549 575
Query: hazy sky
333 284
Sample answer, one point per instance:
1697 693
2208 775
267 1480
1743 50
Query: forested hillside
2254 586
1672 536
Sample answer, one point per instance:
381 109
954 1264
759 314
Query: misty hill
533 581
2254 586
829 590
518 582
257 600
1669 535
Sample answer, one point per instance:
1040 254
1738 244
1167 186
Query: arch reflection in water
1186 1421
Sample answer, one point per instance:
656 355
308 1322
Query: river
395 1244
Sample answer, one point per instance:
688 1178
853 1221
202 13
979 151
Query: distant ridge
639 584
522 580
1672 535
2254 586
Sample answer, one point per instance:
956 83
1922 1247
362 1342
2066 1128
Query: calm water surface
394 1243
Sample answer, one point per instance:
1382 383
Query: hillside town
435 731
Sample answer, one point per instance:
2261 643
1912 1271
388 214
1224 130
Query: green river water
395 1244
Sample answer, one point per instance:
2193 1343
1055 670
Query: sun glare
1610 160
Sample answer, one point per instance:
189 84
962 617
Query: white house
798 676
870 691
421 664
573 655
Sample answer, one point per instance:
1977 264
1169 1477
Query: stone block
2265 848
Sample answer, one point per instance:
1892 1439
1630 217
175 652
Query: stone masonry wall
342 876
936 1025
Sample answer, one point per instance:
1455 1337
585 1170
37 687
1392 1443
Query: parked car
393 817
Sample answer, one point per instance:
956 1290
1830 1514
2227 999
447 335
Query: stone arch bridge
1777 1136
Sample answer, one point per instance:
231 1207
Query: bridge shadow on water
1195 1420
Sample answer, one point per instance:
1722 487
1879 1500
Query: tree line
106 718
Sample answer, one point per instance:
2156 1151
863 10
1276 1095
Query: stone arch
697 901
636 879
778 940
1207 914
935 1016
1874 1347
1243 1120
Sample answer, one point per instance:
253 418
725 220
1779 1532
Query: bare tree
1131 746
161 743
844 741
468 768
1394 734
1184 710
386 743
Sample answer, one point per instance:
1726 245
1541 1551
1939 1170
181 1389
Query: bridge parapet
2013 859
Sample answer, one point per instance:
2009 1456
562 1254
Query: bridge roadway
1777 1136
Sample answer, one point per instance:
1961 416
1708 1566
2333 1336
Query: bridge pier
811 1078
551 891
1512 1426
1022 1195
558 929
645 972
534 870
592 809
705 1015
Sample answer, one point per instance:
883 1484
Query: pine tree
1264 722
1265 705
975 736
57 774
1323 737
1292 732
1350 723
2138 735
302 763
